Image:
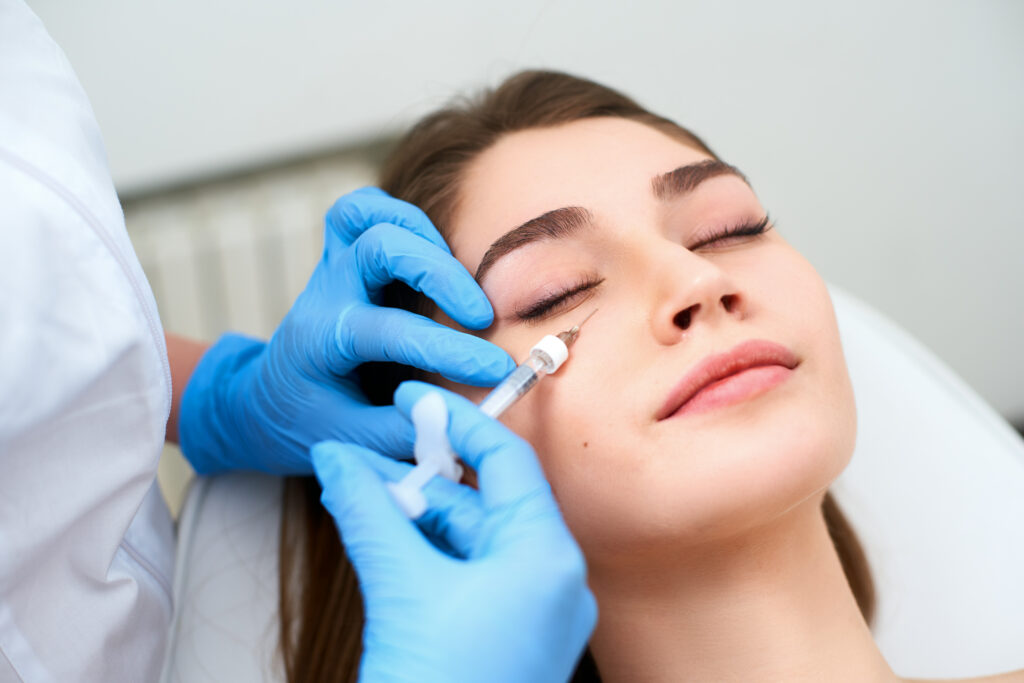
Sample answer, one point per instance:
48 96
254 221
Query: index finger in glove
507 468
386 253
364 332
358 211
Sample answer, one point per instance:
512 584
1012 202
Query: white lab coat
86 544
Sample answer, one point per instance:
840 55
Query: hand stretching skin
260 405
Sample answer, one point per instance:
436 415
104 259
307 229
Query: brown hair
321 610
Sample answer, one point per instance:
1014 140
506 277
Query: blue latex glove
256 405
508 602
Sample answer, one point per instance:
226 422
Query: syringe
430 417
546 357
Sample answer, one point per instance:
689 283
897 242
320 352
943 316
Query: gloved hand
256 405
509 603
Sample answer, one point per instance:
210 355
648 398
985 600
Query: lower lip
734 389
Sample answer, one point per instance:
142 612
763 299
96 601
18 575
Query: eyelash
562 299
748 229
559 300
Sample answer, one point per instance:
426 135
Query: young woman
691 437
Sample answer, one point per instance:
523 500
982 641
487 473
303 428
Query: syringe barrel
515 386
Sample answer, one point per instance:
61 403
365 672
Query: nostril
729 302
682 319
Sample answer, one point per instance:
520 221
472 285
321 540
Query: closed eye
728 235
560 301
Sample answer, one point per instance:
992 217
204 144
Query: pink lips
748 369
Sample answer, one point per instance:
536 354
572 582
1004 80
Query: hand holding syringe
488 585
430 418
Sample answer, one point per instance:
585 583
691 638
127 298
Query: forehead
604 164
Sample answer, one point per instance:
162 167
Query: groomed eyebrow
685 179
567 221
557 224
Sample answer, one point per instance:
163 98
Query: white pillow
935 492
225 625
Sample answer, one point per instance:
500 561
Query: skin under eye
560 301
729 235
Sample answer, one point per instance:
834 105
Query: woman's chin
717 486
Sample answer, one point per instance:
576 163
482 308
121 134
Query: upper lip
749 354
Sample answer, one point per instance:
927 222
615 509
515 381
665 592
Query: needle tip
580 324
569 336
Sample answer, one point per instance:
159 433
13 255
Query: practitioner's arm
183 355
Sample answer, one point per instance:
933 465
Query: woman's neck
771 606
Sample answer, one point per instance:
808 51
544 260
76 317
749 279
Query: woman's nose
694 292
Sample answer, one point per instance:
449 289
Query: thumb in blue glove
256 405
508 601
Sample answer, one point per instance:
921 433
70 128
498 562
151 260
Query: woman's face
634 234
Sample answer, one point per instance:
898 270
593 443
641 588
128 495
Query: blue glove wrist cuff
207 433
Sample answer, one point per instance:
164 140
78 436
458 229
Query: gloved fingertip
321 450
476 314
497 369
328 459
479 372
411 391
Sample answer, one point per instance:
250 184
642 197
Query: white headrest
935 491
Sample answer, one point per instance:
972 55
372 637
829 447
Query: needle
569 336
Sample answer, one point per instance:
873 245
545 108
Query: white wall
884 137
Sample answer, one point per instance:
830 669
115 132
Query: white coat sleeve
86 545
